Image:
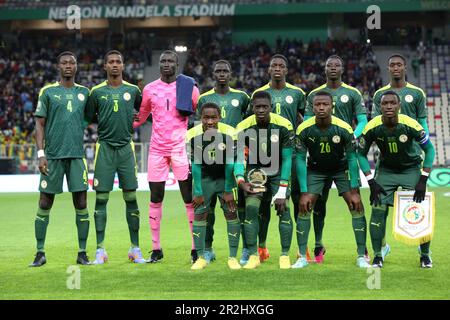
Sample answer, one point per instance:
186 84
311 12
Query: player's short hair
335 56
210 105
110 52
390 92
222 61
398 55
170 52
324 94
279 56
262 95
65 53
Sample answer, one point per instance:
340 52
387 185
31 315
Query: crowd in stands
306 63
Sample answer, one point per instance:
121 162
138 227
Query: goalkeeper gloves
420 189
375 190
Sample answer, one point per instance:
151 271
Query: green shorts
212 187
317 180
391 180
108 161
75 171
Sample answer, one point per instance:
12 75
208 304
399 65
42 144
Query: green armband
429 154
423 123
362 121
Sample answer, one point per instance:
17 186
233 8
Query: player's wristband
239 180
40 154
369 177
284 184
424 173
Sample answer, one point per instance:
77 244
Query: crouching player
211 146
331 154
399 166
269 138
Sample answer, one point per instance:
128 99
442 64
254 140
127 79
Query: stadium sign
98 12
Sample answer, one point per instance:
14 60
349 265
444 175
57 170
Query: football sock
264 220
154 215
359 225
198 232
285 228
40 227
210 228
101 199
82 222
190 216
303 227
233 231
376 229
319 220
425 249
133 218
251 223
241 213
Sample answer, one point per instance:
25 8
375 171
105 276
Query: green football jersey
63 109
115 109
397 149
211 151
233 105
413 101
264 144
327 149
347 102
287 102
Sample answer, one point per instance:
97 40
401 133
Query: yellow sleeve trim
104 83
291 86
411 86
193 132
317 89
386 87
340 123
281 121
375 122
239 91
48 86
207 93
131 85
410 122
227 130
267 86
351 88
245 124
306 124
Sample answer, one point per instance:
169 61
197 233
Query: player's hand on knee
246 187
355 203
43 165
420 189
198 201
305 203
375 190
229 201
280 205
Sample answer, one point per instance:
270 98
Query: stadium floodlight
180 48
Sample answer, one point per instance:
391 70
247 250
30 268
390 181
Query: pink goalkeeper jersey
169 127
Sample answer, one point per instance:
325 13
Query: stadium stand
435 79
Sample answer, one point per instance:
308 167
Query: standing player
233 106
269 139
397 136
212 148
114 103
167 146
289 102
329 142
59 122
412 103
348 105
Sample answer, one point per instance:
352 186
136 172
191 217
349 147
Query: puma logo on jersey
312 139
56 96
104 97
381 139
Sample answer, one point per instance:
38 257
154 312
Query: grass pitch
337 278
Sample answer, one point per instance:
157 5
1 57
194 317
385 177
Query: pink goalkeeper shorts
159 165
